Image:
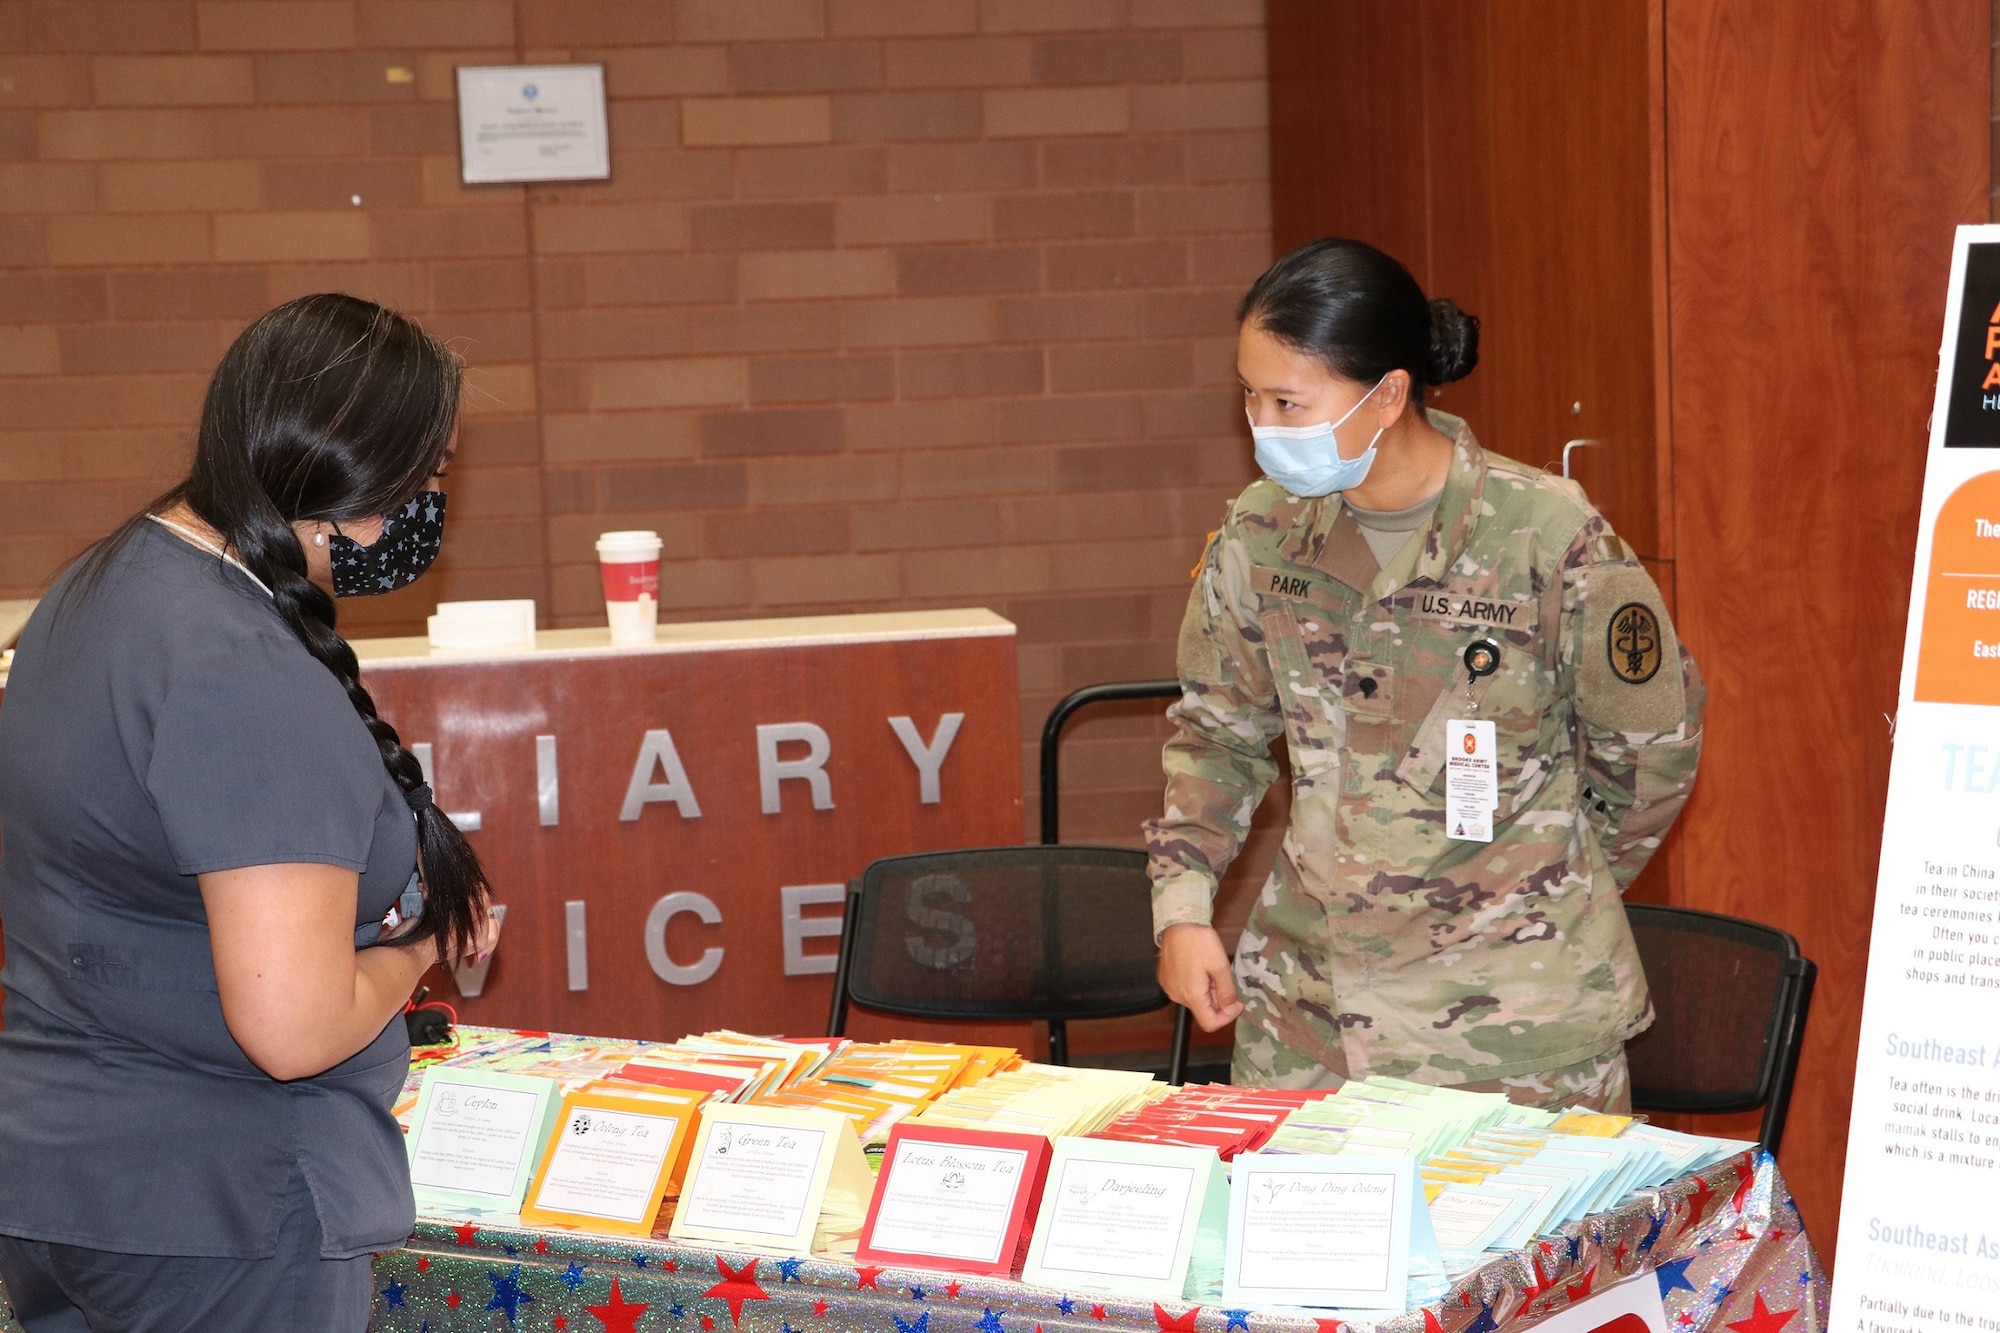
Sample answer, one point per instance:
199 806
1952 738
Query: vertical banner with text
1919 1241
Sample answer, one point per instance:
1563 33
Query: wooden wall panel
1459 138
1818 156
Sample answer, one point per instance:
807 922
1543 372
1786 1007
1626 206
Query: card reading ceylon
962 1200
759 1176
608 1163
1125 1217
475 1137
1332 1231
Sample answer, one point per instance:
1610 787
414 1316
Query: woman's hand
1194 971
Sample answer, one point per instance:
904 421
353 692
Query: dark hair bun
1454 343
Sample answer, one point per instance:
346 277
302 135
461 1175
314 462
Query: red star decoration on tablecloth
1332 1325
617 1314
819 1309
1746 1176
1432 1324
423 1264
1745 1233
1541 1284
466 1231
1175 1323
1581 1288
541 1245
1618 1255
559 1323
451 1299
952 1289
1685 1318
671 1265
1097 1313
737 1286
707 1324
1697 1205
865 1277
1763 1319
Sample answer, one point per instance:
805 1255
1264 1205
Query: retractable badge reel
1482 658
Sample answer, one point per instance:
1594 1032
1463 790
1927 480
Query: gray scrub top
166 723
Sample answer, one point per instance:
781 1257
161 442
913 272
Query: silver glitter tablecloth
1726 1247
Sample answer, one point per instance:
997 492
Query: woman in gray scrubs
221 874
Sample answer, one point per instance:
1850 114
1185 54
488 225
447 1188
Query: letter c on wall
664 967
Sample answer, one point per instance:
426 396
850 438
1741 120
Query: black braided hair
331 408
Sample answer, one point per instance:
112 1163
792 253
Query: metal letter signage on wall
1919 1247
671 830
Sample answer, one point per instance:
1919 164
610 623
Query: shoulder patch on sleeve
1628 668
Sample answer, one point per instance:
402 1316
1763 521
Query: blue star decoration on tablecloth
1237 1319
639 1259
392 1295
1652 1236
572 1277
1675 1275
508 1297
1483 1323
788 1270
921 1324
917 1293
990 1322
1066 1305
510 1248
674 1311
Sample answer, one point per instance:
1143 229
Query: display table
1726 1247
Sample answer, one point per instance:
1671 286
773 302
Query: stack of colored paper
1050 1100
1211 1115
1496 1175
877 1085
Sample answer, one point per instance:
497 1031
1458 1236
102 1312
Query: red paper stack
1211 1115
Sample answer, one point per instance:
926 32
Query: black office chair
1730 999
1092 958
1002 934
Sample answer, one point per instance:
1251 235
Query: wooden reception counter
670 827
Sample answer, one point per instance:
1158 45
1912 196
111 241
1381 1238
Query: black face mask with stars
409 542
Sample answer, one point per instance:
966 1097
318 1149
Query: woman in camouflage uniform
1385 584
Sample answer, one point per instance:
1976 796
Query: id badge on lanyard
1471 767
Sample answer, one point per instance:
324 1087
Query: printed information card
962 1200
1336 1231
1125 1217
610 1162
760 1176
475 1137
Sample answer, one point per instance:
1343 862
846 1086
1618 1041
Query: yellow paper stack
1051 1100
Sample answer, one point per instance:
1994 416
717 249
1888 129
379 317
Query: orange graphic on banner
1958 655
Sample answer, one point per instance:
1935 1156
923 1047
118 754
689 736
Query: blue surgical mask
1306 460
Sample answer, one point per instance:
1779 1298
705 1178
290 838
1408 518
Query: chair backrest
1009 934
1730 1000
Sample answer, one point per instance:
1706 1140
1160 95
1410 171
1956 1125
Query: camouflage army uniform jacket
1379 945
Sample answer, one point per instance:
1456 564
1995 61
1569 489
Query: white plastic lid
471 625
617 546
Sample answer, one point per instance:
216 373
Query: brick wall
888 303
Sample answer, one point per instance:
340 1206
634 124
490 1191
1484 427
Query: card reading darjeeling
475 1137
1126 1217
